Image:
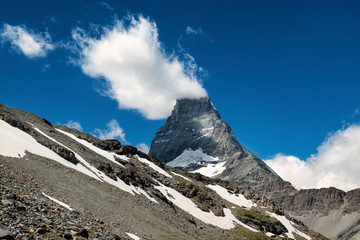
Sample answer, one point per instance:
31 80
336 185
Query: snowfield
227 222
237 199
211 165
211 169
190 156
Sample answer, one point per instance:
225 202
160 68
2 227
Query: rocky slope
333 212
194 138
59 183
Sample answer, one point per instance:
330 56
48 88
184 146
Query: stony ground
27 214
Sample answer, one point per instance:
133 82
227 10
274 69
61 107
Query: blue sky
283 74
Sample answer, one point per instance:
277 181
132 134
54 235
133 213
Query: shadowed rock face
196 124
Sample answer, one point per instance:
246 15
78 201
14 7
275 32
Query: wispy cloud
45 67
195 31
336 163
73 124
138 72
113 131
356 112
52 19
26 41
192 32
143 147
106 5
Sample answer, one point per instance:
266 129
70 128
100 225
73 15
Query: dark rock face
318 200
196 124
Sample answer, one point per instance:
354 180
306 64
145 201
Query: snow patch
106 154
58 202
154 166
227 222
190 156
133 236
289 226
237 199
211 169
181 176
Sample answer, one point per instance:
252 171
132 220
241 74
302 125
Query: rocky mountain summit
195 139
60 183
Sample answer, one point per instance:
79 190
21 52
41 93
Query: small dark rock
68 236
83 233
40 231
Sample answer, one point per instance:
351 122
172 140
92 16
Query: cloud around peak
139 73
27 42
336 163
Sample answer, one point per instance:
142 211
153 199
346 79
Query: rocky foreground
27 214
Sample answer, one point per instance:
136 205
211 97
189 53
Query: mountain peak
188 108
195 138
194 124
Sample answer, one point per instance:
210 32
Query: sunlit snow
211 169
154 166
237 199
14 143
227 222
133 236
106 154
179 175
58 202
190 156
103 177
289 226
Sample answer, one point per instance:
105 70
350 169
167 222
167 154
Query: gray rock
7 202
5 233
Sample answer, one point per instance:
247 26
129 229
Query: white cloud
143 147
193 31
30 44
73 124
138 72
336 163
113 131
